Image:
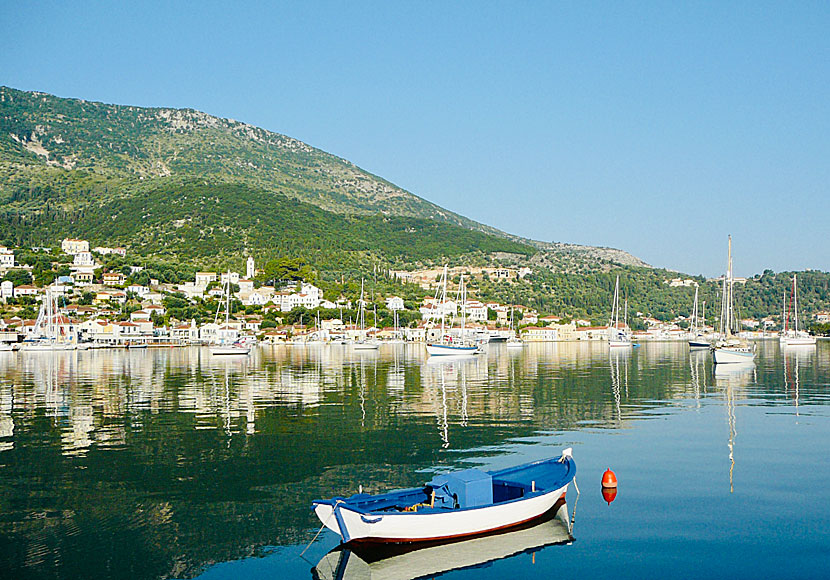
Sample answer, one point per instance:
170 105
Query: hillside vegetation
70 153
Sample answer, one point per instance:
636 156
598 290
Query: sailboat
49 334
698 340
729 348
618 337
364 343
446 345
228 344
514 341
794 336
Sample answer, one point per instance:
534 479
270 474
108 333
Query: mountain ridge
41 132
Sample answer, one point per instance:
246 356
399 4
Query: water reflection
173 458
408 562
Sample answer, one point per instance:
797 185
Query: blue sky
654 127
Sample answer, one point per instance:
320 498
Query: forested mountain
185 187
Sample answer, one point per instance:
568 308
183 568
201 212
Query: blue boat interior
467 489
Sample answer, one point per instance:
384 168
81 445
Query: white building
475 310
6 257
83 259
104 251
250 270
233 276
6 290
394 303
138 289
72 246
204 278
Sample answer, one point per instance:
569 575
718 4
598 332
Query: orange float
609 479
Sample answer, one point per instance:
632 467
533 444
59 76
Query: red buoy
609 479
609 494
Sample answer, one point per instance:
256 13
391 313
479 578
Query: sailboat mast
462 294
443 299
694 314
795 305
730 313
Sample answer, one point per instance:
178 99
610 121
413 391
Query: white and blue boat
428 560
454 505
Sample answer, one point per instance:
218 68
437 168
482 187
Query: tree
18 277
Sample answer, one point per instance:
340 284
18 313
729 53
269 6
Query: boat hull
449 349
366 346
699 343
427 527
230 350
799 341
726 355
459 506
427 561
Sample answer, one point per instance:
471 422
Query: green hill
79 157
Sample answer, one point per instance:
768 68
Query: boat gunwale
563 482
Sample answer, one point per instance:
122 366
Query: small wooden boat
454 505
406 561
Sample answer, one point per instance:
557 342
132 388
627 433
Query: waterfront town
100 309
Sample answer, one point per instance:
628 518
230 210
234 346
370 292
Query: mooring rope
321 527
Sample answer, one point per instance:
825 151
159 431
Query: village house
26 290
82 278
591 333
113 279
6 258
6 290
232 276
138 290
83 259
104 251
475 311
204 278
73 246
394 303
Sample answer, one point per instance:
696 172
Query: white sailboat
729 348
49 333
618 337
794 336
228 343
697 338
364 342
446 344
514 341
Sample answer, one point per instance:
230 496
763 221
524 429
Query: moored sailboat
697 338
730 348
229 343
447 345
793 336
364 342
618 336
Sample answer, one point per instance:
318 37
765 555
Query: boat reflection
410 561
731 377
794 357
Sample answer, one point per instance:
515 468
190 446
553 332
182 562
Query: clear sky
655 127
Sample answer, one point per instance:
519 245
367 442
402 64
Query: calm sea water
175 464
